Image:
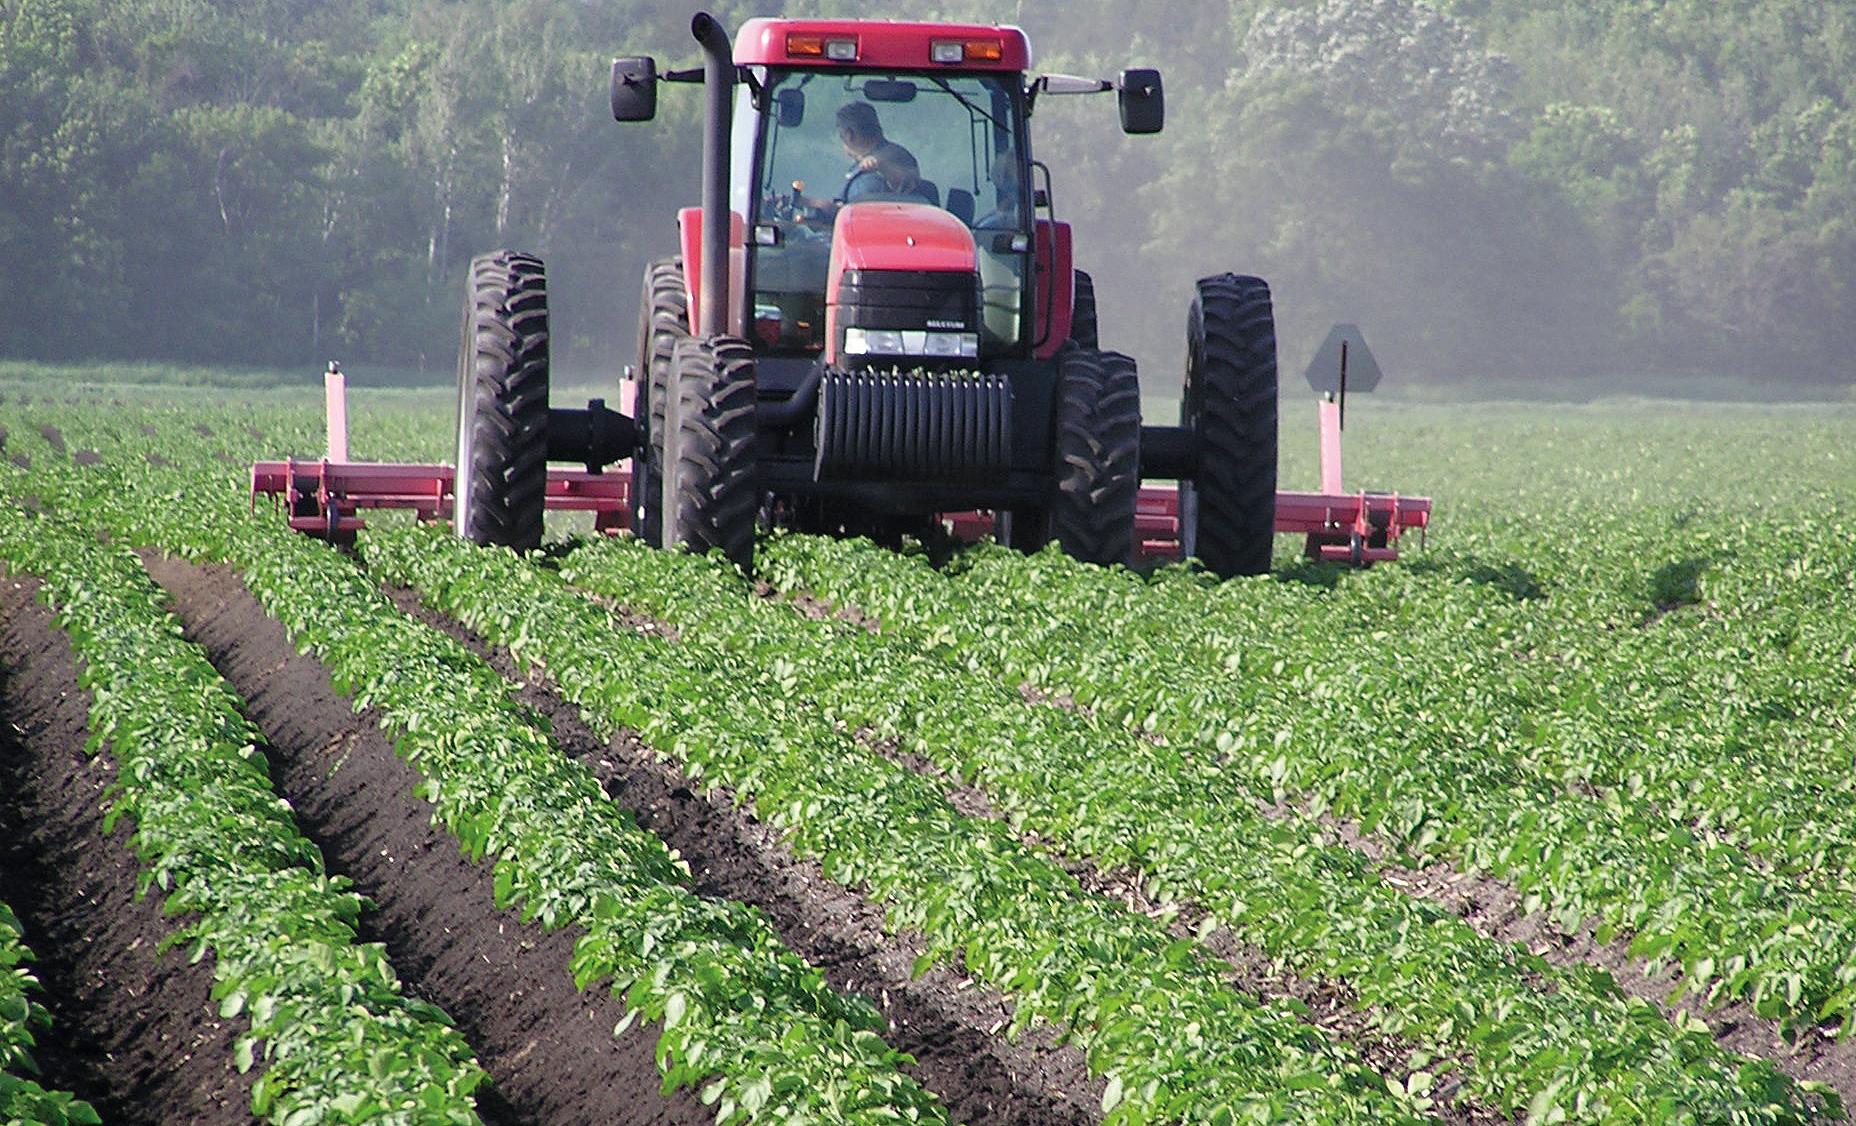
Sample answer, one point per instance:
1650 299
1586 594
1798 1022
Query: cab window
831 139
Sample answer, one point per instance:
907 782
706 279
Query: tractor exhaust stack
718 77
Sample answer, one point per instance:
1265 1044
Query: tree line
1510 187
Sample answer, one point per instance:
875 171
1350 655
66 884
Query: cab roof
880 45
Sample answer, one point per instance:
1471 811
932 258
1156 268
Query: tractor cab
817 149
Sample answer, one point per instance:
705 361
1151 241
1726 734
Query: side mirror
790 108
1143 102
634 89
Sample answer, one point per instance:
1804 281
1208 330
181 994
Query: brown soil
948 1022
87 457
133 1032
20 460
818 609
2 438
53 437
548 1048
157 460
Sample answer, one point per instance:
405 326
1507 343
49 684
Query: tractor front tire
1097 475
663 319
712 480
502 467
1230 402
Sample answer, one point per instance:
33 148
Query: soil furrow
549 1049
950 1024
134 1031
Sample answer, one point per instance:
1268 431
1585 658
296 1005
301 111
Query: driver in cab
879 166
862 136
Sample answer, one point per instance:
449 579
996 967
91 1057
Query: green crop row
22 1100
1567 1040
342 1044
1151 1013
754 1025
1423 751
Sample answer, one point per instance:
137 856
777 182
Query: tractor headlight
893 342
872 342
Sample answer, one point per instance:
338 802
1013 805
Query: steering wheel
844 193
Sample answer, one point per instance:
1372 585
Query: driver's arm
897 165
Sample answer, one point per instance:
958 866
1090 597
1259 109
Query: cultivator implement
325 496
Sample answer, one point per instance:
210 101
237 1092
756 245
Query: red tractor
874 327
874 322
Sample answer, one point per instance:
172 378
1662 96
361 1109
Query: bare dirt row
134 1031
532 1031
549 1049
950 1024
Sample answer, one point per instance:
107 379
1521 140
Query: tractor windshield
827 139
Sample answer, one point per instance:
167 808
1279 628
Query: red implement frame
324 498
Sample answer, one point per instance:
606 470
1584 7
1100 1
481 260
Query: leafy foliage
1621 683
742 1017
1538 1036
21 1098
341 1043
1149 1012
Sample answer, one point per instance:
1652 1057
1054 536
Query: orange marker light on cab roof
809 46
966 50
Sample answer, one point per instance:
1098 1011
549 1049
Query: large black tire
502 466
1097 469
1083 312
712 482
1230 401
1098 455
663 319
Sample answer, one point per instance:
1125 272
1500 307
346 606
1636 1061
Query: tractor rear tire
663 319
1230 402
1083 312
712 485
502 467
1098 462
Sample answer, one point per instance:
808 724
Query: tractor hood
901 236
903 288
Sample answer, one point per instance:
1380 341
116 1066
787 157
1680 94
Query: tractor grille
915 426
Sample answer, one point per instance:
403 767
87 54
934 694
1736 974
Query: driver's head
859 128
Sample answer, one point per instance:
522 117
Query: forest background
1587 190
